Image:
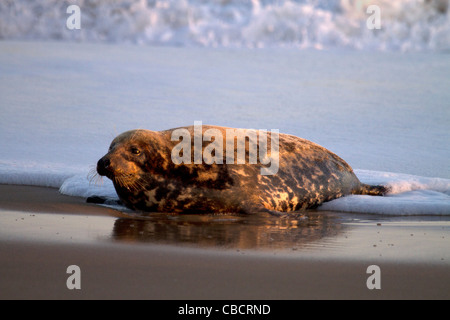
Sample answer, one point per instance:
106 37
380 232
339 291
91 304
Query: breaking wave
406 25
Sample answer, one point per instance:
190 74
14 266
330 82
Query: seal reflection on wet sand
141 167
250 231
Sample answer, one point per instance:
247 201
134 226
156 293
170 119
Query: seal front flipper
103 200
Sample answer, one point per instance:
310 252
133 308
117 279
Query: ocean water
380 99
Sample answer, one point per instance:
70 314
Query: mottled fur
145 178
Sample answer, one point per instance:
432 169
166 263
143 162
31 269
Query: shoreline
36 199
44 232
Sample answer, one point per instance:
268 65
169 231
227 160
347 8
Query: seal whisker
127 181
138 185
119 180
94 177
130 182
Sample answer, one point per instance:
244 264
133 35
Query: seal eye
135 150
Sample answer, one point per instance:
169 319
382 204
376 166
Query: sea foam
408 195
406 25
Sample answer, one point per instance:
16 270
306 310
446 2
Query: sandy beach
47 232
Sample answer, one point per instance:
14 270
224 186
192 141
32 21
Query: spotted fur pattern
145 178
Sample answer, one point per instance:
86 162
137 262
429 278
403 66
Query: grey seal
141 167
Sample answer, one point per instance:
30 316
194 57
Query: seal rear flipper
366 189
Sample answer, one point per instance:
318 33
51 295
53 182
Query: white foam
409 195
35 173
81 186
400 182
406 25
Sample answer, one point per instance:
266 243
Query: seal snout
103 166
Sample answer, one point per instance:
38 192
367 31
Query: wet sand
324 256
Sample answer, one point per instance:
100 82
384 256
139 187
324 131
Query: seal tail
366 189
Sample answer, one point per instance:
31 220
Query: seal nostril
102 166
